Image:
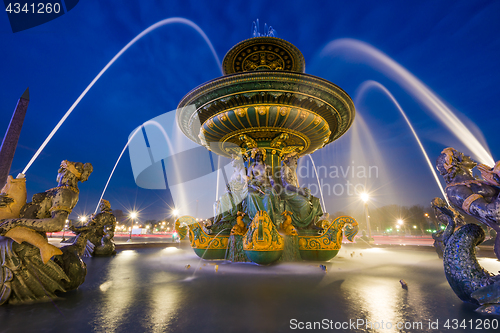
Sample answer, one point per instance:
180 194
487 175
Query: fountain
265 113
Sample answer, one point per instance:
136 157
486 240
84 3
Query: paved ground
152 290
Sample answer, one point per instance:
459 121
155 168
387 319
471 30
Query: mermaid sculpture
478 198
25 252
306 208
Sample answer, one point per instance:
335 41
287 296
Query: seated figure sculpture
27 258
261 192
49 210
227 207
306 208
100 231
469 195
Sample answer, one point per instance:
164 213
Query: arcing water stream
116 57
372 84
377 59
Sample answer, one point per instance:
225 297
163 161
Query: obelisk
11 137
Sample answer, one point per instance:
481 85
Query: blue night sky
453 47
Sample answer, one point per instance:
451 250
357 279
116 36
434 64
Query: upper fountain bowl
263 53
265 100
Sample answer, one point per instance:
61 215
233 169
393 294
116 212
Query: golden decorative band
467 183
70 166
469 201
74 189
63 208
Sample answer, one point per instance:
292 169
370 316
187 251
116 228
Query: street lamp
365 197
401 224
133 215
64 230
175 212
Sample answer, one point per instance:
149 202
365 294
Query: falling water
372 84
132 42
364 151
415 87
137 130
217 185
319 184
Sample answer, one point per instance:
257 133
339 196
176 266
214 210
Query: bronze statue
469 195
49 210
306 208
478 198
448 217
261 193
25 252
228 205
99 231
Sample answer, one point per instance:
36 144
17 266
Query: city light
132 215
400 221
175 212
365 197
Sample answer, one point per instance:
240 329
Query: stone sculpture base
24 278
291 248
235 251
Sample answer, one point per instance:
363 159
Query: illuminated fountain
265 113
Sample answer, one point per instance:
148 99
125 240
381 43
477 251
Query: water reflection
164 301
139 291
118 295
380 299
492 265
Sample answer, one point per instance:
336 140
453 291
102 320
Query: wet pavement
153 290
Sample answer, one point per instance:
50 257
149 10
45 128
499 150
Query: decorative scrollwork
331 239
262 235
248 141
200 240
